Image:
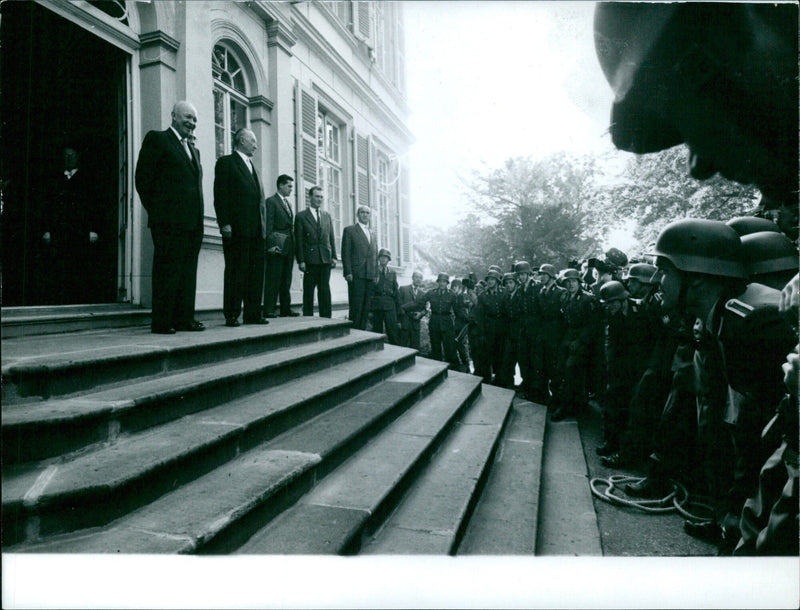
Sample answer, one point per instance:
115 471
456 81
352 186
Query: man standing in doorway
316 253
241 215
169 179
280 250
359 260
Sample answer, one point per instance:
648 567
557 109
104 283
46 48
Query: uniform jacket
280 220
442 303
359 256
549 301
170 184
581 317
238 197
489 313
314 242
385 294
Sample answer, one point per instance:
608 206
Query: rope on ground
678 500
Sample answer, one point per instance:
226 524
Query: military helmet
613 291
697 245
571 274
456 282
510 276
495 268
384 252
643 272
522 267
616 257
768 252
495 274
549 270
745 225
443 277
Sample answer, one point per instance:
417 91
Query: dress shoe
291 314
709 531
649 487
162 331
193 327
259 321
606 449
233 323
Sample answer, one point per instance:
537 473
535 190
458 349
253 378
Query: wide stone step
56 365
34 431
45 319
219 510
506 517
432 516
335 515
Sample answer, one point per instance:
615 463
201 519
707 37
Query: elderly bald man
169 179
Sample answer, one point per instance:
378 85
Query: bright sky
490 80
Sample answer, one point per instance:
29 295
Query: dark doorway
61 87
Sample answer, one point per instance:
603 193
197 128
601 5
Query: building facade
322 85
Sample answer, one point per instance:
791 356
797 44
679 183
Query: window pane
238 116
321 136
333 142
219 122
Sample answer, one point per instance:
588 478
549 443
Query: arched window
230 99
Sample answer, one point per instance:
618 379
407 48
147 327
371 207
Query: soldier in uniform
551 329
385 300
511 331
489 317
440 324
461 307
525 308
581 327
741 341
475 338
624 360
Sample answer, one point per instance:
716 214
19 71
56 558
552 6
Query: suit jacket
238 198
359 256
280 221
169 183
314 243
408 305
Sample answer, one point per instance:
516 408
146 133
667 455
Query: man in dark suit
169 179
241 215
359 262
316 253
280 250
410 315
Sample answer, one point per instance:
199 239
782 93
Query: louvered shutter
405 215
306 143
362 21
363 170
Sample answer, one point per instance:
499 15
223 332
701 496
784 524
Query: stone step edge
122 355
446 534
369 519
286 493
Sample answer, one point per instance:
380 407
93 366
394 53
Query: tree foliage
561 207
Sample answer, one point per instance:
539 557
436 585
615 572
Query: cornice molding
280 35
161 39
158 48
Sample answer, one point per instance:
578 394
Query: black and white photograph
399 304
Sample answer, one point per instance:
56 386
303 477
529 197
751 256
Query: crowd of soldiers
682 354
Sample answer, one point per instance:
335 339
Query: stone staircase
301 437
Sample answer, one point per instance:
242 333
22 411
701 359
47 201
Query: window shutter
363 170
405 215
306 141
362 21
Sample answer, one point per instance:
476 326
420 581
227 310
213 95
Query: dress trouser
174 280
244 277
358 292
278 283
317 277
387 318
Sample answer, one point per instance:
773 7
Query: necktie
316 215
186 148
